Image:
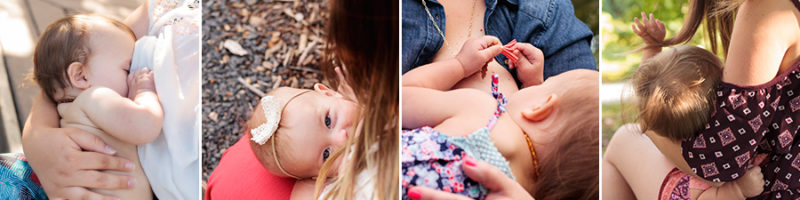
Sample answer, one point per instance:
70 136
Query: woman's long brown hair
718 15
363 38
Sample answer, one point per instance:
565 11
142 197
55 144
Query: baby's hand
651 30
140 81
752 183
477 52
530 66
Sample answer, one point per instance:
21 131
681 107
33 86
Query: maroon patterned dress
752 120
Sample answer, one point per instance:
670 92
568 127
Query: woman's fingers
102 180
98 161
89 142
423 193
83 193
489 176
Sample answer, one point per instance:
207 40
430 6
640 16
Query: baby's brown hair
675 91
63 42
571 170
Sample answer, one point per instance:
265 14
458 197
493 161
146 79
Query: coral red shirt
239 175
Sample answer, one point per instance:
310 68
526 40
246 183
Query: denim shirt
550 25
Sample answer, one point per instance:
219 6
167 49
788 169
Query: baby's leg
632 165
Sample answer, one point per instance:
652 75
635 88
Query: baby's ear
541 111
322 88
76 72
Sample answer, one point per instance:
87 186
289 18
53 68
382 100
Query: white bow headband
272 108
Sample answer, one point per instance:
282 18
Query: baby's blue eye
326 153
328 120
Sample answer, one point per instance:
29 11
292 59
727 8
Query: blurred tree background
618 59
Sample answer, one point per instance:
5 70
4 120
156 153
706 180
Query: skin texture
67 160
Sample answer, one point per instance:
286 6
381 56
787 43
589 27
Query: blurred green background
586 11
618 59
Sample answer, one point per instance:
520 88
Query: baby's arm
652 31
426 107
442 75
530 66
750 185
135 121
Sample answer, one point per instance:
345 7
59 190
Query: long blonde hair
363 37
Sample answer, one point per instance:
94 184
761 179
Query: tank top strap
501 101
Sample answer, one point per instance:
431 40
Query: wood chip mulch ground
250 47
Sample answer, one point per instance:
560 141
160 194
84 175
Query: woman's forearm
43 115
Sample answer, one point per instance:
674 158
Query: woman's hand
66 171
499 185
67 160
651 30
477 52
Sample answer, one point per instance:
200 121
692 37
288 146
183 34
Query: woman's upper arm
761 36
139 20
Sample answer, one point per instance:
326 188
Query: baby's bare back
72 116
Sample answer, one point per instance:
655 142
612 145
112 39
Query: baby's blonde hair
675 91
274 151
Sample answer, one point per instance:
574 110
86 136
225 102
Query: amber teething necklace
533 155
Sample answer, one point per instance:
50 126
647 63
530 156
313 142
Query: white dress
172 50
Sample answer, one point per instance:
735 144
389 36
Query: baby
294 131
675 96
524 134
82 63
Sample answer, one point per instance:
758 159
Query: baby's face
110 57
313 126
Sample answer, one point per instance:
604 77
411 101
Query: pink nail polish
414 194
469 161
131 182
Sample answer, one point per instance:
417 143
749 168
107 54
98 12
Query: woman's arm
499 185
762 34
139 21
57 156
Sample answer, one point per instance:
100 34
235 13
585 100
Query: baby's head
305 127
561 117
675 91
80 51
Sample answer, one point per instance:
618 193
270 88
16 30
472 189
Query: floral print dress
432 159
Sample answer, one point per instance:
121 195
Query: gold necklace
469 30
